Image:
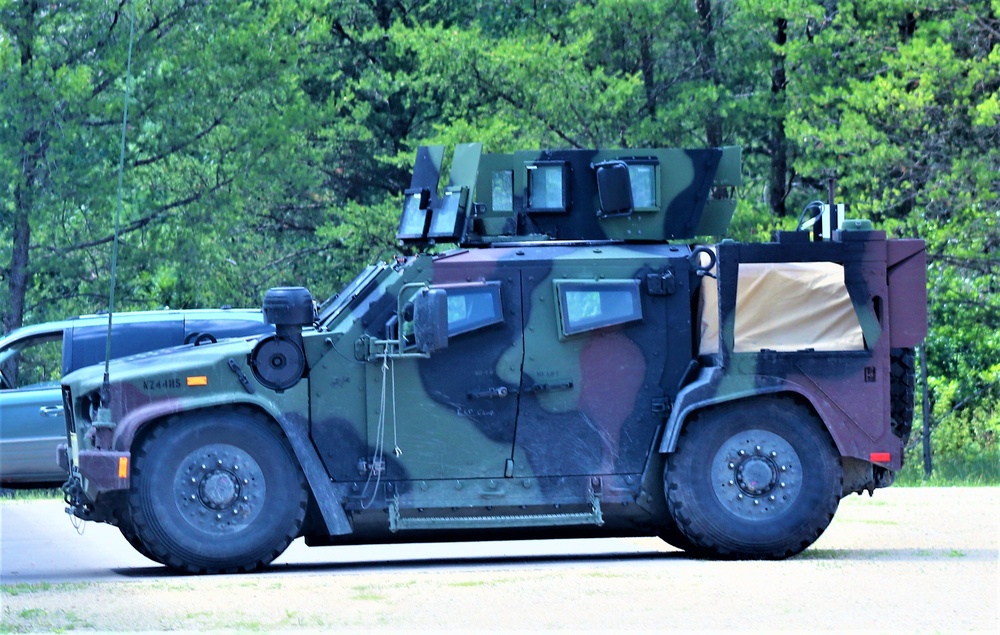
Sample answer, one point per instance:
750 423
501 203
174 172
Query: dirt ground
908 560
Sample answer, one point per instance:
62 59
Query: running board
399 522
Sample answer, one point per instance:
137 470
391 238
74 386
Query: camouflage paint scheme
540 416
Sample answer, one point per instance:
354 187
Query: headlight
89 405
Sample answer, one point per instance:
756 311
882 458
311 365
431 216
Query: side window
548 186
503 191
585 305
472 307
32 362
644 185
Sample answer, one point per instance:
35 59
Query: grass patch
979 471
40 620
23 588
468 583
31 614
367 592
7 494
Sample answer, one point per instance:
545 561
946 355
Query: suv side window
33 362
585 305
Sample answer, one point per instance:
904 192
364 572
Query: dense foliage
267 142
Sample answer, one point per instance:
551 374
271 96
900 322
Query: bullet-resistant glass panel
471 307
503 191
588 305
447 218
643 177
547 185
414 218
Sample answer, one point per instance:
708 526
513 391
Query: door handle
498 392
51 411
562 385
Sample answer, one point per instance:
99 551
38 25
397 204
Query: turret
649 195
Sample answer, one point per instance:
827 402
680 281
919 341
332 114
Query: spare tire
902 389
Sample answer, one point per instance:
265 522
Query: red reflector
880 457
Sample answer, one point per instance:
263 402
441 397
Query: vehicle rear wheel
216 492
671 534
753 480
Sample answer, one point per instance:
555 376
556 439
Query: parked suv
34 358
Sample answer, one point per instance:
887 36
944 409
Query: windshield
357 287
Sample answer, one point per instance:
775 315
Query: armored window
449 216
585 305
471 307
548 186
503 191
413 224
643 173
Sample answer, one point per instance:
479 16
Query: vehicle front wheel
216 492
753 480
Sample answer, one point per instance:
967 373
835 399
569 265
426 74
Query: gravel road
908 560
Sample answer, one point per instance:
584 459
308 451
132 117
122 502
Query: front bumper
97 471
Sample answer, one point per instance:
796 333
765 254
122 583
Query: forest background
268 142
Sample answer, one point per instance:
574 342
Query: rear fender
711 388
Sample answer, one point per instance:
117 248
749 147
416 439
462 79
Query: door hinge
661 405
661 283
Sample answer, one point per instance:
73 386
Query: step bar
398 522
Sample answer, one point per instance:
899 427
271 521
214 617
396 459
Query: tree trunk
708 64
24 195
778 146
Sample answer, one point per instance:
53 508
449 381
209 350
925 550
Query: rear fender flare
710 389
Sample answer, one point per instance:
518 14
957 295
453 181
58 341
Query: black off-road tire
753 480
671 534
216 492
125 527
902 391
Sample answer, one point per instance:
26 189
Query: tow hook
73 496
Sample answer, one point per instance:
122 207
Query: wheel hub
219 488
757 474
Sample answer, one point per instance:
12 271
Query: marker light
880 457
123 467
198 380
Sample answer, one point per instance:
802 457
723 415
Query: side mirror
430 320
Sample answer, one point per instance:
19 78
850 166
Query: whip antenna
106 386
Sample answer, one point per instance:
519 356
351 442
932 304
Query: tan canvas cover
785 307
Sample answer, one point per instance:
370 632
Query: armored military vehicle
576 366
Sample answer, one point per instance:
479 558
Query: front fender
289 409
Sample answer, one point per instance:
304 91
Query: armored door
597 341
451 416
